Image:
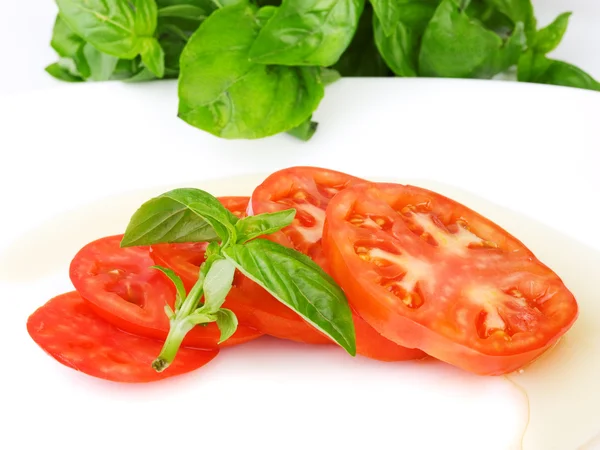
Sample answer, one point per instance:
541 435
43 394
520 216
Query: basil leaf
227 322
518 11
267 223
362 59
114 27
177 281
537 68
296 281
548 38
221 91
400 47
217 284
69 47
305 130
101 65
180 215
142 75
153 57
62 74
455 46
307 32
183 11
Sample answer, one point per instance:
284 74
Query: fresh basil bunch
254 68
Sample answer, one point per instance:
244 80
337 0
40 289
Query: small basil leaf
112 26
146 15
62 74
142 75
102 66
297 282
153 57
180 215
537 68
301 32
217 284
221 91
548 38
361 58
329 76
305 130
184 12
177 281
227 323
267 223
518 11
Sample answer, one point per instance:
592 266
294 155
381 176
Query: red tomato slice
428 272
69 331
246 298
123 289
309 190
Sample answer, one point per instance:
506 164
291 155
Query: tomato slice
309 190
428 272
69 331
122 288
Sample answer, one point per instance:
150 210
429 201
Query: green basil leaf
146 16
142 75
329 76
217 284
102 66
537 68
548 38
252 227
62 74
114 27
400 47
455 46
64 41
227 322
305 130
507 56
307 32
153 57
361 58
221 91
177 282
184 12
180 215
518 11
296 281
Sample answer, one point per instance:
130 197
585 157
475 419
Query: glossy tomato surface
428 272
68 330
309 190
122 288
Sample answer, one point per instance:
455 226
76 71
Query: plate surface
532 149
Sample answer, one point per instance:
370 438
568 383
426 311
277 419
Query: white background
65 146
26 26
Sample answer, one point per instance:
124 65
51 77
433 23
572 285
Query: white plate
533 149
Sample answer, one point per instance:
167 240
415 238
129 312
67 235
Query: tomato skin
452 329
309 190
68 330
122 289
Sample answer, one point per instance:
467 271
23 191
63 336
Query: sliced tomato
309 190
69 331
122 288
427 272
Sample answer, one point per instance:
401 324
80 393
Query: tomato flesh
68 330
428 272
122 288
309 190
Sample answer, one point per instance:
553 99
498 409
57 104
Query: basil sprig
191 215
